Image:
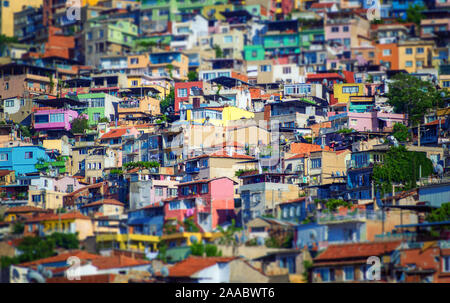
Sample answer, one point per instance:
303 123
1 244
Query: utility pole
418 135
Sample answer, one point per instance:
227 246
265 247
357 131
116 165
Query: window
409 63
347 41
159 191
9 103
56 117
36 198
204 188
371 54
409 51
28 155
99 165
349 273
182 92
5 3
3 157
345 28
419 63
228 39
446 83
350 89
254 54
286 70
174 205
70 188
100 33
6 85
89 36
185 190
134 83
134 60
420 50
335 29
223 74
387 52
446 264
96 117
266 68
316 163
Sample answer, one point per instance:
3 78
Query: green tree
18 228
414 14
440 214
197 249
211 250
62 240
192 76
401 167
307 273
79 125
411 95
168 101
219 52
190 226
400 132
228 235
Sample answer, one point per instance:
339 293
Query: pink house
53 119
67 184
209 202
368 121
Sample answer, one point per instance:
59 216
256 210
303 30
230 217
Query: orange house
387 54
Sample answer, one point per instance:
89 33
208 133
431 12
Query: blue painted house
22 159
295 210
399 7
148 220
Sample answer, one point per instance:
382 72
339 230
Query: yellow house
218 116
343 91
7 177
185 238
128 241
13 213
73 222
415 54
45 199
444 81
7 10
214 11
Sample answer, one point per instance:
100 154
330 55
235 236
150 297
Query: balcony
191 170
350 216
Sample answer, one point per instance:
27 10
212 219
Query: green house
253 52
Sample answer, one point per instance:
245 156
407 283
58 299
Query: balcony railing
357 215
192 169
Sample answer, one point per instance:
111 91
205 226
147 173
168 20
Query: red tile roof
24 209
192 265
297 156
5 172
103 278
306 148
435 122
321 5
118 262
115 133
105 201
66 216
81 254
294 201
339 252
201 181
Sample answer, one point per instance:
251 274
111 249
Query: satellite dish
164 271
193 239
260 241
151 270
244 238
181 229
439 169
